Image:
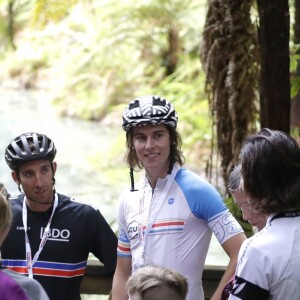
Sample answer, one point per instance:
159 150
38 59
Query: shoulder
189 180
70 206
16 199
10 288
260 246
19 278
203 199
71 202
33 288
197 188
16 202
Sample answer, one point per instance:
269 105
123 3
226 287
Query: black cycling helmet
28 147
149 110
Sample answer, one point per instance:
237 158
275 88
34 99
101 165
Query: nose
38 180
246 214
149 143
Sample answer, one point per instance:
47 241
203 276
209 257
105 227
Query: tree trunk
10 25
273 34
172 55
228 54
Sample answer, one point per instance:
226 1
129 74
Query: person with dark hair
156 283
167 219
51 234
269 262
14 286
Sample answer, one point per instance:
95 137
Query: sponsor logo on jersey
22 228
133 230
171 201
55 234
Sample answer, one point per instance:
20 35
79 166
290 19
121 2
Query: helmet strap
171 158
53 179
54 191
132 180
19 182
170 167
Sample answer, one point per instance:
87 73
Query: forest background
206 57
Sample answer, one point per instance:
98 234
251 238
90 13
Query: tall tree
228 55
273 33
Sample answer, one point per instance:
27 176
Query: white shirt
269 262
181 233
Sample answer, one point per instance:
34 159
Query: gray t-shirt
32 288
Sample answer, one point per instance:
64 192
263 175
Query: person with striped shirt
51 234
168 217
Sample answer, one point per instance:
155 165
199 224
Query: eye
140 138
45 170
28 174
158 135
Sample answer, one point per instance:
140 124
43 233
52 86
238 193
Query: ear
14 175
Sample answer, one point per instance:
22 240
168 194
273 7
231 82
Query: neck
37 205
153 176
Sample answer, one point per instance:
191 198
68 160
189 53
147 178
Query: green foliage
23 66
3 30
235 210
295 86
116 53
95 55
45 11
294 60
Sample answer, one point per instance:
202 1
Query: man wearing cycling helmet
51 235
167 219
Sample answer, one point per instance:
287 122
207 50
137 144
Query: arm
122 273
231 247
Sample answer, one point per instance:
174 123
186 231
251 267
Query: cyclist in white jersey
167 219
269 262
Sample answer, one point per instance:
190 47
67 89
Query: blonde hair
5 212
153 276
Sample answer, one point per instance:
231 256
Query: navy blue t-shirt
76 230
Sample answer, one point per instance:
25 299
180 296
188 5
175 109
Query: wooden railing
96 282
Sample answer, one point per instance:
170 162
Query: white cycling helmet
147 110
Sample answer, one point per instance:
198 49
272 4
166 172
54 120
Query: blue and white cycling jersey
180 235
